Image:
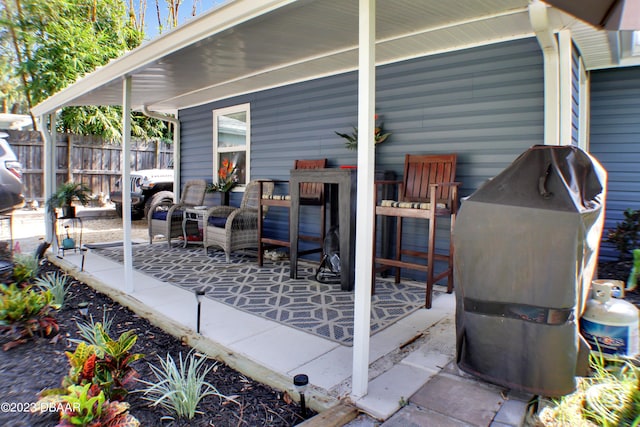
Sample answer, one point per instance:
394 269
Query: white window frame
246 148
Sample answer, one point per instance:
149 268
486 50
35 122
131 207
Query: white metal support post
48 131
126 186
364 203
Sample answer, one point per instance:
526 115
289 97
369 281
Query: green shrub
634 274
57 284
93 332
105 364
87 406
609 397
180 387
25 267
24 312
113 370
626 235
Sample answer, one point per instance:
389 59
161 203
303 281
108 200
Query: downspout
176 146
547 41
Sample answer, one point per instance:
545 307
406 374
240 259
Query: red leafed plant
25 312
227 178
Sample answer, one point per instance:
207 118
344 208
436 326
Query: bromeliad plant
25 267
379 135
25 312
57 284
227 178
91 333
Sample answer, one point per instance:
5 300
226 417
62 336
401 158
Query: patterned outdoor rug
268 291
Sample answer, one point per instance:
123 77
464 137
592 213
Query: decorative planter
68 211
217 198
224 198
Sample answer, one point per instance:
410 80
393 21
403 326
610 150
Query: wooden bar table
342 206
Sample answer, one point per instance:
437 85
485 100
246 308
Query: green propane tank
610 325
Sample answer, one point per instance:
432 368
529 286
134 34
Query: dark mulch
41 364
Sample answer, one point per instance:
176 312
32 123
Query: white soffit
249 45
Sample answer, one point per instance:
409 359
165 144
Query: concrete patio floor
412 373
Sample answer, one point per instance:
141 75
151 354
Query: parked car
11 190
146 186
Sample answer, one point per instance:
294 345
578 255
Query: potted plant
68 193
379 135
227 179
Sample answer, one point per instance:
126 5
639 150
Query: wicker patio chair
231 228
166 219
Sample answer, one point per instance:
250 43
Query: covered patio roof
249 45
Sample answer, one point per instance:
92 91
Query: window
231 141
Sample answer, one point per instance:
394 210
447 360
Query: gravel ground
99 225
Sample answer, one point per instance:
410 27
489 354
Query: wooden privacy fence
84 159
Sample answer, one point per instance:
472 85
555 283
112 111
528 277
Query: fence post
69 157
157 154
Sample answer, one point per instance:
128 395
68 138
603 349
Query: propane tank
610 325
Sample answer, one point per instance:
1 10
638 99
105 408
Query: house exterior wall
485 104
615 142
575 96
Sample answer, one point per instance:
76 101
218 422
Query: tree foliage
56 42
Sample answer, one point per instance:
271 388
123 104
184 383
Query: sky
184 13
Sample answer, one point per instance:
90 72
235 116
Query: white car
11 190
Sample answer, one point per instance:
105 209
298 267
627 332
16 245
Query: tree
11 95
55 42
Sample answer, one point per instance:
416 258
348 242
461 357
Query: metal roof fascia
215 21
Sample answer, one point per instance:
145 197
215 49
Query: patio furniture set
428 191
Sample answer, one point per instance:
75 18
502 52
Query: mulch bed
41 364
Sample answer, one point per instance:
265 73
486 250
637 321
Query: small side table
195 214
69 234
342 212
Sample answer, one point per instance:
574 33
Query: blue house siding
486 104
575 96
615 141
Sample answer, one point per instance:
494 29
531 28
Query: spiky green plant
91 331
57 283
607 398
25 267
180 386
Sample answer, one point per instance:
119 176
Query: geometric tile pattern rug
268 291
